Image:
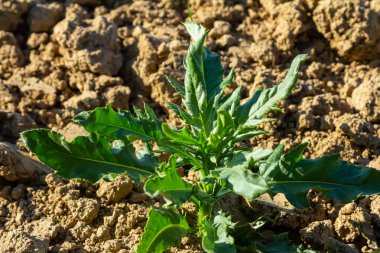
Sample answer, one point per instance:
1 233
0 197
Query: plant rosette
215 123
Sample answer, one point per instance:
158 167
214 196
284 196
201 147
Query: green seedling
214 126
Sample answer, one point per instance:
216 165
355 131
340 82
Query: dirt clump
10 54
116 190
10 14
354 222
88 45
43 17
366 97
20 241
351 27
15 166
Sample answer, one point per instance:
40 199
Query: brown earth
58 58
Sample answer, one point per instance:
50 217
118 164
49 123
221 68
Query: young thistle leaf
177 86
87 158
263 101
164 229
169 184
183 136
204 73
185 116
216 236
119 125
281 244
240 179
294 176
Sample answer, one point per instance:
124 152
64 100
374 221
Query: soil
58 58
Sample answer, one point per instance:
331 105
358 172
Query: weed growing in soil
215 124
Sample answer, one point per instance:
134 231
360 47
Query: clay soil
58 58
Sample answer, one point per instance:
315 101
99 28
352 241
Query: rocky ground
58 58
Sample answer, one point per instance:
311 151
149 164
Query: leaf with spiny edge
87 158
119 125
169 184
164 229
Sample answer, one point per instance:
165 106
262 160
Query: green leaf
247 235
243 182
169 184
227 81
195 84
164 229
249 134
253 123
197 32
178 87
193 121
281 244
118 125
224 124
204 73
213 72
335 178
179 150
265 101
230 99
244 159
216 236
183 136
87 158
269 168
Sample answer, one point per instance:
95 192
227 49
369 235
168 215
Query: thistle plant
215 123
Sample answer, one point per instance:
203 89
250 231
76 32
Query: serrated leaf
204 73
177 86
270 97
224 124
230 99
87 158
281 244
118 125
193 121
249 134
169 184
183 136
243 182
263 101
181 151
227 81
197 32
244 158
213 72
216 236
164 229
269 168
255 122
335 178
